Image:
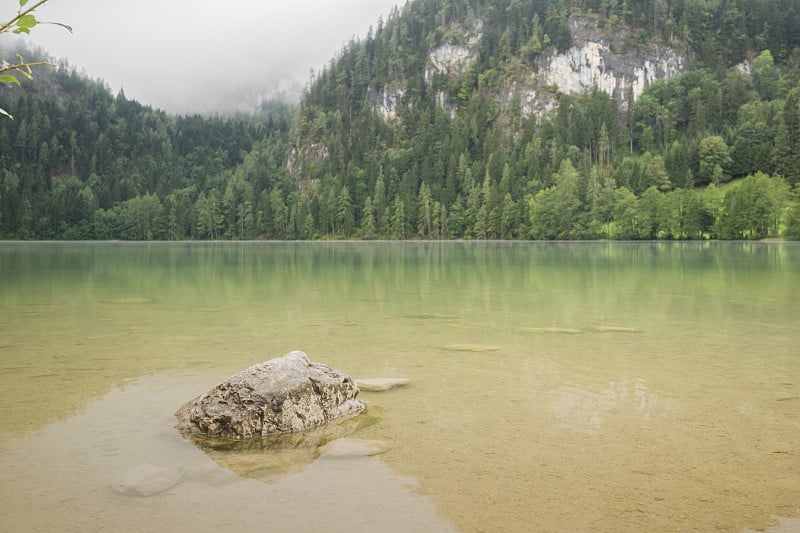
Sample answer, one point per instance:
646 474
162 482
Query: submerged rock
381 384
284 395
470 348
553 330
353 448
277 457
146 479
616 329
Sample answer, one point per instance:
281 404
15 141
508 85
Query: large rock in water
283 395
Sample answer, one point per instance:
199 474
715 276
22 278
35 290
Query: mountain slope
75 151
480 104
451 119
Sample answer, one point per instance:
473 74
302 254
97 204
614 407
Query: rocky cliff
596 59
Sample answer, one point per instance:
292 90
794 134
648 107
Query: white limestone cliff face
449 59
453 58
525 97
745 67
594 63
596 60
305 155
385 101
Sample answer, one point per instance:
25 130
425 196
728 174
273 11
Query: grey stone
284 395
381 384
146 479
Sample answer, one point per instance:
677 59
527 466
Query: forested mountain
673 119
78 162
428 126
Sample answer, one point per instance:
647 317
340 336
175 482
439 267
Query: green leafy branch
23 22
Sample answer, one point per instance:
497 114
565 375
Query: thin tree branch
8 25
23 66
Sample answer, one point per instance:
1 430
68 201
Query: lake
554 386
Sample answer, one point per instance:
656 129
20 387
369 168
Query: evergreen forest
711 153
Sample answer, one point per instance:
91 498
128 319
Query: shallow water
554 387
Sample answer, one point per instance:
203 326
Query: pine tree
344 213
379 203
367 229
398 220
425 212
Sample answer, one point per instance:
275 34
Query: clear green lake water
554 386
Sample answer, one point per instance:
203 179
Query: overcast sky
190 56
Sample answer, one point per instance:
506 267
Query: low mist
190 56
